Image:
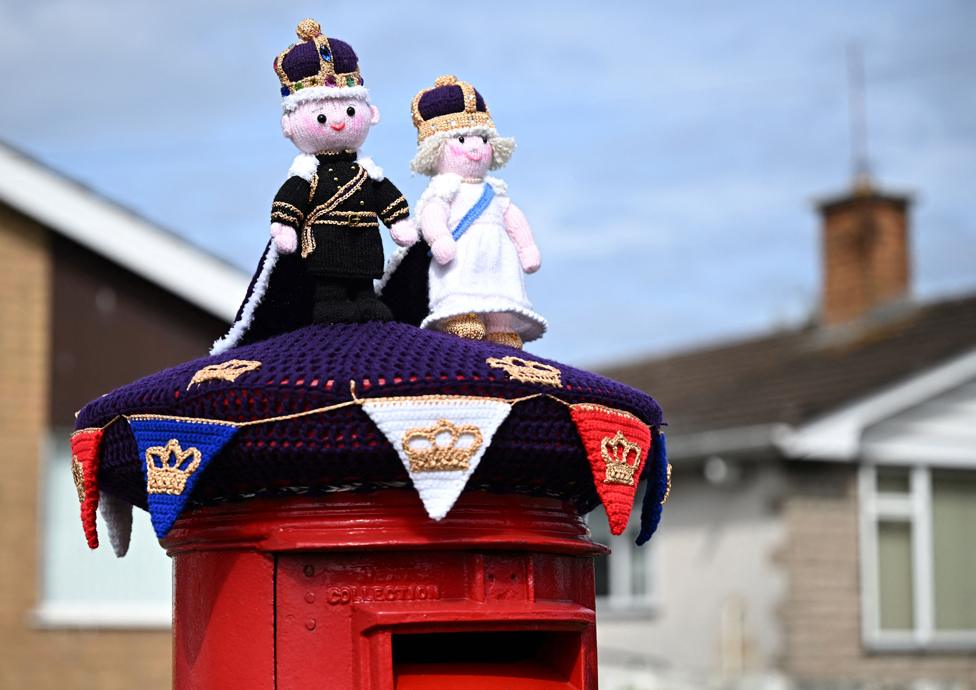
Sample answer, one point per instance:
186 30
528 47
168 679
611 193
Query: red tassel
85 445
617 445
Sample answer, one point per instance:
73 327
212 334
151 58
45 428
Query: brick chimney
865 253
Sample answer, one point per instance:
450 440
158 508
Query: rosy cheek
456 151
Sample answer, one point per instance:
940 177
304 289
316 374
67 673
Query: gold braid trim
343 193
396 215
399 200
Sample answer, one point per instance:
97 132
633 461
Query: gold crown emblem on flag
435 448
78 474
169 475
526 370
622 459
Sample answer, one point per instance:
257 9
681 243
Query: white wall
718 588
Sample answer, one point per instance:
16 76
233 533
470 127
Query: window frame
915 508
619 602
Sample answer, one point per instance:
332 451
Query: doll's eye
484 138
460 140
321 119
350 111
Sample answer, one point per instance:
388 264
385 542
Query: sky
669 156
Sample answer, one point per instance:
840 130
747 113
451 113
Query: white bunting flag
440 440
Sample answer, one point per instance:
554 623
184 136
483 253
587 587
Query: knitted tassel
656 489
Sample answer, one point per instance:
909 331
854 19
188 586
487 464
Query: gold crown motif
617 453
78 474
429 450
471 117
169 476
526 370
225 371
310 30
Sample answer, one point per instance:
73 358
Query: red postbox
363 591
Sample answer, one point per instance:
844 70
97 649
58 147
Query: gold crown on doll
435 448
312 64
169 475
622 459
439 121
527 371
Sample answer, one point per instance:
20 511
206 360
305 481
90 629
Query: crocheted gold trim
468 326
667 491
471 117
527 371
396 202
617 452
169 477
230 370
396 215
78 474
433 456
343 193
508 338
607 410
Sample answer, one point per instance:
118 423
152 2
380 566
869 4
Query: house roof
120 235
789 378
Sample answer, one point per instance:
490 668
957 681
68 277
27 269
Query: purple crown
317 62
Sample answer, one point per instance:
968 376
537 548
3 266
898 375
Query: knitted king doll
479 241
327 209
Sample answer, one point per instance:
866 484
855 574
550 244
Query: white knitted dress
486 276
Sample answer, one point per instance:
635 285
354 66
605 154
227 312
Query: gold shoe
466 326
506 338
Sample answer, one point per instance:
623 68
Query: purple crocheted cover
536 450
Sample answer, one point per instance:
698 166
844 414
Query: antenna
859 124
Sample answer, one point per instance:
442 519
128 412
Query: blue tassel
655 488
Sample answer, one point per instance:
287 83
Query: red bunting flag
85 444
617 445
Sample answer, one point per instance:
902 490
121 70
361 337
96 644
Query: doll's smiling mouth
338 126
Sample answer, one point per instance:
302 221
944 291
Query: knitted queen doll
480 242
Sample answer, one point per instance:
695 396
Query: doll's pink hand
285 238
444 249
530 258
404 232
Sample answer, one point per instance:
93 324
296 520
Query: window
624 578
918 557
85 588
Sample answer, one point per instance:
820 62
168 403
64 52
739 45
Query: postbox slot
497 660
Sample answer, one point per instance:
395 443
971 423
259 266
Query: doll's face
339 124
468 156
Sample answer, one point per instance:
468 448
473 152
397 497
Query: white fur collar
305 166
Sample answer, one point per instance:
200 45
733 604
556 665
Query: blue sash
487 194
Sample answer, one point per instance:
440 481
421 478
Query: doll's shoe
506 338
466 326
340 311
372 309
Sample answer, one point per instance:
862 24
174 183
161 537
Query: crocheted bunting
440 440
174 454
657 489
616 444
117 515
85 445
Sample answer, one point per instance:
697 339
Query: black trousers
347 300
